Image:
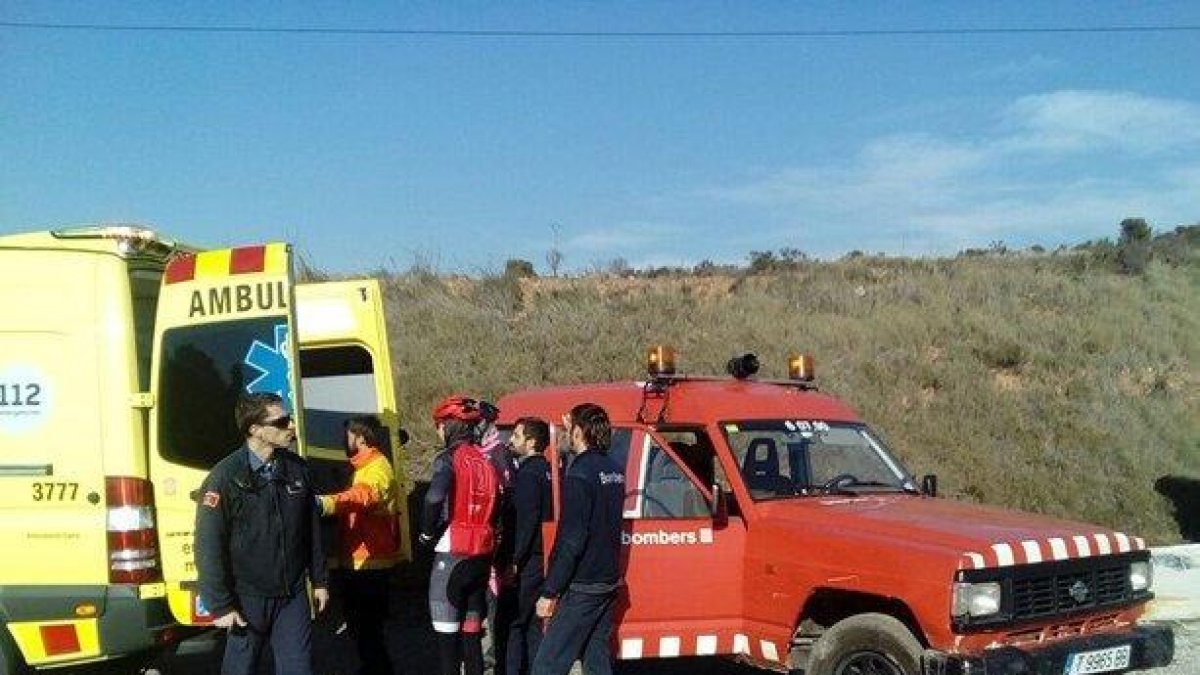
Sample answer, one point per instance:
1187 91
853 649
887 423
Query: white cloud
1099 120
1060 165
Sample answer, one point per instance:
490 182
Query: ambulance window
667 492
144 284
338 382
204 371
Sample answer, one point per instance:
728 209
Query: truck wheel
866 644
11 661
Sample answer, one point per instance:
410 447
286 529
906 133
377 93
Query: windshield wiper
852 488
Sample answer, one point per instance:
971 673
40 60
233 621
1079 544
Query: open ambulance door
223 328
346 370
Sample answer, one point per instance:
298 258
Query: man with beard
368 539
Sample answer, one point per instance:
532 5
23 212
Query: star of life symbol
273 365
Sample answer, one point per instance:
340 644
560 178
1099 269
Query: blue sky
371 151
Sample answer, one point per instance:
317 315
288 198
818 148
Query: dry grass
1041 383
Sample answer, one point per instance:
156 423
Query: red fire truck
767 522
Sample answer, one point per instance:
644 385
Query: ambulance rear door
223 328
346 370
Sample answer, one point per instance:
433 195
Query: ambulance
766 522
121 356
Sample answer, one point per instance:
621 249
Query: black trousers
523 627
281 622
580 629
365 605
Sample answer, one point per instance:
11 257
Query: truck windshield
788 458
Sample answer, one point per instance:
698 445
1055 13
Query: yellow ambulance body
121 354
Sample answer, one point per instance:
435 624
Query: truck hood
980 536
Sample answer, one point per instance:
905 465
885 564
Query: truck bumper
1152 646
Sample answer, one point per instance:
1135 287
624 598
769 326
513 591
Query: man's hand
545 607
229 620
321 595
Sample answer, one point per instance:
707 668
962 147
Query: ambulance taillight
132 537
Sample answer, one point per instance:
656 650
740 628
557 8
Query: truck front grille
1054 592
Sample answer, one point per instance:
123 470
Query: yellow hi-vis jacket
368 533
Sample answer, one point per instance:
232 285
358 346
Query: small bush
515 268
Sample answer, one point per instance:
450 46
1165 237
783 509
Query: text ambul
237 299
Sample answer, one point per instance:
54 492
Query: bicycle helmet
459 408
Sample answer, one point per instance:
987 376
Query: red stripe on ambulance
182 268
248 260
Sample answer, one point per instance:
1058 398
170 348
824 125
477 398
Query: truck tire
11 661
866 643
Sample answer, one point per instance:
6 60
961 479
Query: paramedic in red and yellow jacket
368 537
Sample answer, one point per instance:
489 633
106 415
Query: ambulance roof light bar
130 238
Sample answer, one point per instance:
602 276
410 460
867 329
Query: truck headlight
981 599
1141 575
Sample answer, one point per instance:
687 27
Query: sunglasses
279 422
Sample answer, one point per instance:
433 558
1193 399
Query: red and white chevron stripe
671 646
1028 551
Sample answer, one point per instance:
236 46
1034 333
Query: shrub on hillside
1133 249
519 269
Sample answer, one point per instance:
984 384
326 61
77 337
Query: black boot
449 657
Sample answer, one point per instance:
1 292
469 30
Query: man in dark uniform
258 541
584 572
531 504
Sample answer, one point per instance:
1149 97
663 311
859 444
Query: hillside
1047 382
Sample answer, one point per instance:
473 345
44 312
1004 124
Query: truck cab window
667 492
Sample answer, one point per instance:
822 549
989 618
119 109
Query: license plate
1099 661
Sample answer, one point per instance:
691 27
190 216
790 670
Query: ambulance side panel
70 326
346 370
223 328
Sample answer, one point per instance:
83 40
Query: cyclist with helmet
457 583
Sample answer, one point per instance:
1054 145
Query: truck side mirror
929 484
720 506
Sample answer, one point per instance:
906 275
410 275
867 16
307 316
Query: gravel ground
1187 650
201 656
413 650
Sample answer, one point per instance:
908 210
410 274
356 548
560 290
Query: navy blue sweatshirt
257 531
531 504
586 555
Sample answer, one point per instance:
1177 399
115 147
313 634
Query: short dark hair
369 428
536 429
593 423
251 409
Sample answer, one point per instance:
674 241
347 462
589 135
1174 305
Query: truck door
223 328
684 568
346 370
